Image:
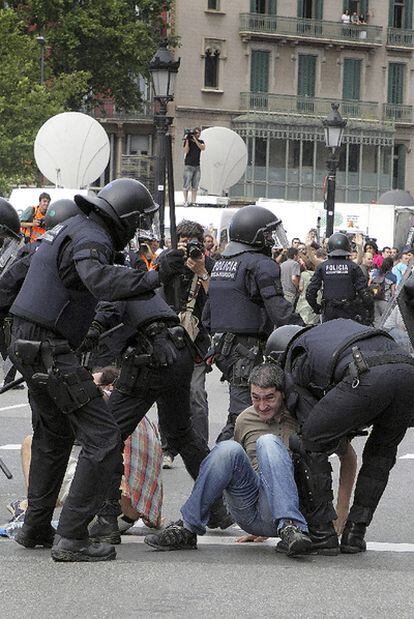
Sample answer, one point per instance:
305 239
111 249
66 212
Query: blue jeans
260 502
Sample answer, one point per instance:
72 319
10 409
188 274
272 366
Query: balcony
108 112
400 39
306 106
256 25
398 113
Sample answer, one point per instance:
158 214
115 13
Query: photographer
192 149
192 281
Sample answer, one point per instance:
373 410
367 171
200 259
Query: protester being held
32 219
290 275
400 268
255 471
192 173
383 285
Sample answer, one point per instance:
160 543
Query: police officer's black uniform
52 312
345 293
245 302
358 377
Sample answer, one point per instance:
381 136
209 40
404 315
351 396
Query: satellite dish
396 197
224 161
71 149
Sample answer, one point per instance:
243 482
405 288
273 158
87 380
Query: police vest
44 299
148 308
232 310
329 345
337 279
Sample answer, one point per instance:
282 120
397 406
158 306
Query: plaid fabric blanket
142 472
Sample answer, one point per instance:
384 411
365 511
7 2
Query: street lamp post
334 126
42 42
163 69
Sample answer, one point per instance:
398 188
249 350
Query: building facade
269 69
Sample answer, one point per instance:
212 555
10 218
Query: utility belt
138 361
69 391
236 355
360 365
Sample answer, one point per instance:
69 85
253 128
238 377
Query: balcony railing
313 106
398 113
396 37
303 28
145 110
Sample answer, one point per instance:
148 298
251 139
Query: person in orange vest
32 218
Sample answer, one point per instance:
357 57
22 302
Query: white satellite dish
224 161
71 149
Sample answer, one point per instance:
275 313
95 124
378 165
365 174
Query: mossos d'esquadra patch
225 269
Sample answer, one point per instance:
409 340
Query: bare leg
194 196
26 453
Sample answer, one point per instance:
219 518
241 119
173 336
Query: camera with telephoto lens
188 134
195 249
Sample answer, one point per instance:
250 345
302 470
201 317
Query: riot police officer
345 291
157 365
346 377
70 270
245 302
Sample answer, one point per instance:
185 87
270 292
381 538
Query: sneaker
16 509
105 529
352 540
174 537
30 537
293 541
71 550
125 524
324 539
167 461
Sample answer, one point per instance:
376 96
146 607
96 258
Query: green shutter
272 7
408 14
318 9
259 74
352 79
306 75
391 13
396 72
363 8
300 8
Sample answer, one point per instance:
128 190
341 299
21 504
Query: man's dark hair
109 374
44 195
386 247
268 375
296 238
190 229
292 253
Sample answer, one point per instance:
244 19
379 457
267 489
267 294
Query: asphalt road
221 578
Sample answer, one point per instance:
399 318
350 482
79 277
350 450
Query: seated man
255 471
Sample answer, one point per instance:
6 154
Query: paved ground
222 578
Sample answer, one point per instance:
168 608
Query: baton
12 384
5 470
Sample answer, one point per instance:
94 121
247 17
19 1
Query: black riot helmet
339 245
125 205
9 221
256 227
279 340
59 211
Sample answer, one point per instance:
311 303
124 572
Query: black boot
324 539
105 529
220 518
65 549
293 541
30 537
352 540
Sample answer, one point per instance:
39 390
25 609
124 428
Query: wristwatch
204 277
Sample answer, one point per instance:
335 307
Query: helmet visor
280 239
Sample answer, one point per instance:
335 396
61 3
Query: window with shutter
264 7
351 89
259 71
306 75
396 72
311 9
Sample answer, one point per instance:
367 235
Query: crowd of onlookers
354 18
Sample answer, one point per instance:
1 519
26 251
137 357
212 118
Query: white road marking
10 447
407 457
8 408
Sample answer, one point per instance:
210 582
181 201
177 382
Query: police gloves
164 353
91 339
171 262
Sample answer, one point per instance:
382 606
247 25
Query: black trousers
384 400
170 388
53 435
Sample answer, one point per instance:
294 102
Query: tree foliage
25 104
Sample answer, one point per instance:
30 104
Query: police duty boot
174 537
220 518
30 537
105 529
71 550
293 541
324 539
352 540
